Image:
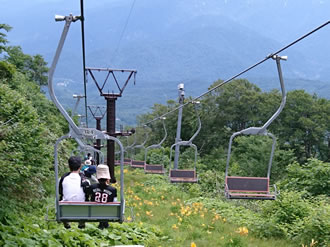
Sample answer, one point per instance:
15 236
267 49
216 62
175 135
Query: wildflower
313 243
149 213
203 225
129 218
193 244
162 197
224 220
174 226
137 214
243 231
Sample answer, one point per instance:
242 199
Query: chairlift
139 163
256 188
156 168
127 161
82 211
186 175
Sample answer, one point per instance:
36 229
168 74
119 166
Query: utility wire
123 31
240 73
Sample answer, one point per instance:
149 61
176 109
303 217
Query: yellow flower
243 231
224 220
174 226
193 244
149 213
129 218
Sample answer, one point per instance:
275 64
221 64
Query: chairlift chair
82 211
127 161
156 168
256 188
186 175
139 163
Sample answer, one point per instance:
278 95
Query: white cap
102 171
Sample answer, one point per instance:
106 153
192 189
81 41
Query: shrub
312 177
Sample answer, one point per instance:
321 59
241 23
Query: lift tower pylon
111 108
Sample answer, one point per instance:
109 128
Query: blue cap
90 170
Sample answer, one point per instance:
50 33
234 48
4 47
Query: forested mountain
194 42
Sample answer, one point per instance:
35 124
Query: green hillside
159 213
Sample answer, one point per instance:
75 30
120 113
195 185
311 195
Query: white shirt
72 190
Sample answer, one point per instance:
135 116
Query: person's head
74 163
89 171
88 162
102 173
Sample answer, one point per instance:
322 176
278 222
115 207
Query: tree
305 126
33 66
3 40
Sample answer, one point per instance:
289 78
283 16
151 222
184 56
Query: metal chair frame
247 184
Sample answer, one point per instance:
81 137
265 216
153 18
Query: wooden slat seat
183 176
248 188
89 211
137 164
154 169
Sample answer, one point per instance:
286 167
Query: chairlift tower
98 113
111 108
178 129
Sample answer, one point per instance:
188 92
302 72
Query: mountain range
176 41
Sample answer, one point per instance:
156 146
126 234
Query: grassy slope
152 200
157 214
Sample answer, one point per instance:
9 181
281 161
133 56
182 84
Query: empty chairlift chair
82 211
156 168
186 175
257 188
127 161
139 163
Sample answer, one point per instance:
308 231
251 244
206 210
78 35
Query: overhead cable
240 73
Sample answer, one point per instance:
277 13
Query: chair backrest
154 167
137 163
182 173
247 184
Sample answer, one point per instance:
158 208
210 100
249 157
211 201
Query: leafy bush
312 177
211 182
34 231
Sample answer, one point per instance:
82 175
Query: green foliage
211 182
7 70
312 177
34 67
158 156
250 157
304 126
37 232
3 40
